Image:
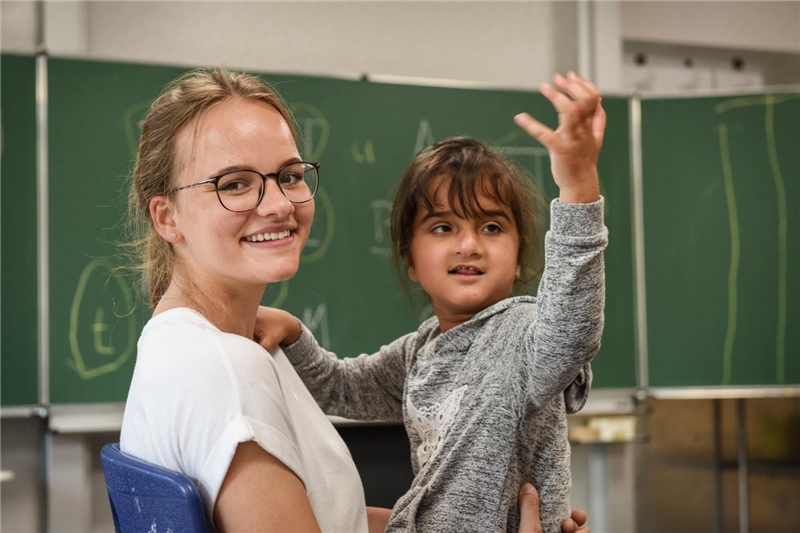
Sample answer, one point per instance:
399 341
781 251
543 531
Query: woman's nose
274 203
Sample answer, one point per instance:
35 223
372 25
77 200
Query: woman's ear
162 212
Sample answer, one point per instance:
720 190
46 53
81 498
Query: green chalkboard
363 134
18 286
721 183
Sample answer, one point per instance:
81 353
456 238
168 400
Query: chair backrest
146 497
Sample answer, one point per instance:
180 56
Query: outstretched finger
561 102
587 85
583 92
569 114
572 86
599 121
529 521
534 128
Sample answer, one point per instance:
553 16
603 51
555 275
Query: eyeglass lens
240 190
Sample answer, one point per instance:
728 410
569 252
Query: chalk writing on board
313 128
322 229
132 121
382 213
102 327
424 136
516 144
768 102
317 321
425 313
363 155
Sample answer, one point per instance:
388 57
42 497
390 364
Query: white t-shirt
197 392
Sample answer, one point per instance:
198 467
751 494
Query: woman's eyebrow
234 168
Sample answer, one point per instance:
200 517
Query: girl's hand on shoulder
575 145
275 327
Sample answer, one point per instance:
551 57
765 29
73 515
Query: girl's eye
440 228
492 228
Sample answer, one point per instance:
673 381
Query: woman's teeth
268 236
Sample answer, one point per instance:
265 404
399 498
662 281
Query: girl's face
214 243
464 264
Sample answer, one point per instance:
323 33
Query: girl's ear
412 273
162 212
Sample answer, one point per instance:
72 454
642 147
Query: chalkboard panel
19 344
363 134
722 240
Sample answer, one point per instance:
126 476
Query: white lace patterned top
485 403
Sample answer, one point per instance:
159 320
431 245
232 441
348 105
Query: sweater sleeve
566 334
367 387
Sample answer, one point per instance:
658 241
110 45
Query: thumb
529 510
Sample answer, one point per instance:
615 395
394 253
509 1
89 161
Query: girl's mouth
467 271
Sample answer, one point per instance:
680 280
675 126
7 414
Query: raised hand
575 144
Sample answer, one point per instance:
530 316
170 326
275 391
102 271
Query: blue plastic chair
146 497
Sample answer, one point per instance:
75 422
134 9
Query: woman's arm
378 519
260 493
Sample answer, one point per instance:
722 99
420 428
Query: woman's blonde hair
154 173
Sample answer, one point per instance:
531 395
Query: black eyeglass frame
264 178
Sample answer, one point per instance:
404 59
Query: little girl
484 386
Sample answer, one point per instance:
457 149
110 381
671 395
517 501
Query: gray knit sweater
485 403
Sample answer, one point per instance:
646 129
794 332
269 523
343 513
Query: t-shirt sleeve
367 387
218 405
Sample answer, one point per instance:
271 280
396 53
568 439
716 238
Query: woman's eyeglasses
242 190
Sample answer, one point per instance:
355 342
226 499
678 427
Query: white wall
507 42
748 25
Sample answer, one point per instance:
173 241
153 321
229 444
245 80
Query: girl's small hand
575 145
275 327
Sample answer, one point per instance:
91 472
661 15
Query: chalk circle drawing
102 326
276 294
322 230
768 102
313 128
132 121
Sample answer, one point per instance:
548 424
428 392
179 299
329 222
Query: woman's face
215 244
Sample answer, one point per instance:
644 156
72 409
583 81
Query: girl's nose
274 203
468 243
